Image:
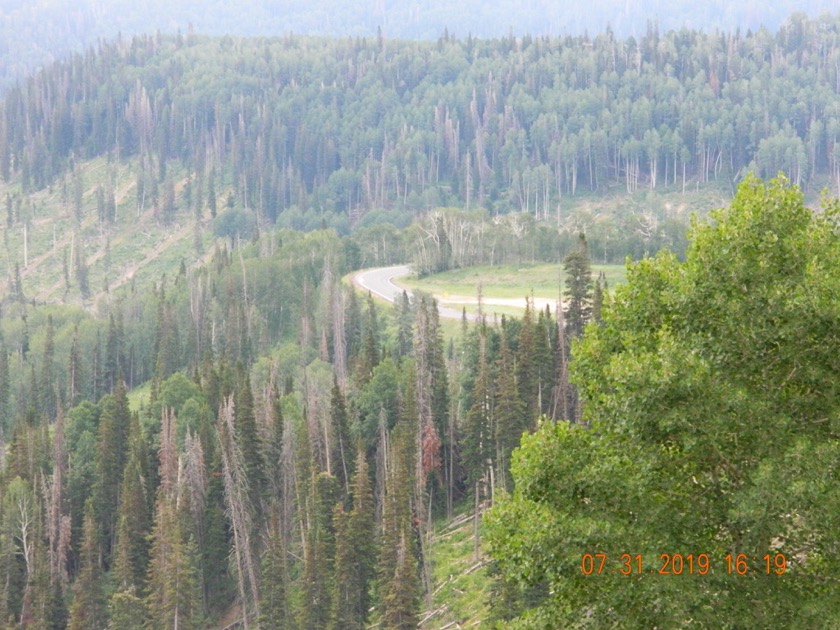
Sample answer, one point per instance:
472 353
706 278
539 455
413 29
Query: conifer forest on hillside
205 423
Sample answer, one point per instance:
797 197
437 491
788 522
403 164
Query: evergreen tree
401 606
405 325
112 355
174 596
47 385
342 463
397 568
211 197
510 413
369 355
477 444
5 382
274 609
438 374
249 443
543 360
598 297
75 385
315 603
319 552
342 614
18 285
353 328
134 514
362 546
82 274
174 599
43 601
215 553
127 611
527 380
112 445
88 610
169 207
578 271
274 452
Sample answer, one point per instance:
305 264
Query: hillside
180 213
33 34
138 151
53 246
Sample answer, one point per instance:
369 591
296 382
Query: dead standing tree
239 512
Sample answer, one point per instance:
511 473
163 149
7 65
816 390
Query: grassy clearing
461 585
503 287
503 281
138 398
135 245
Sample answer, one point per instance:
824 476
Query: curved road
380 282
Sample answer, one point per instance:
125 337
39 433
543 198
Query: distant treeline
448 238
33 34
345 126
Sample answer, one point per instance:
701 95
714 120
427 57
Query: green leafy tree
710 387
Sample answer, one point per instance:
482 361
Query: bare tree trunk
238 511
475 525
339 341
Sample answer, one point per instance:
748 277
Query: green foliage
127 611
88 610
273 594
526 154
355 554
235 224
578 294
510 417
710 387
174 598
111 452
378 396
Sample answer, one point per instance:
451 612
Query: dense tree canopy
711 387
348 126
34 33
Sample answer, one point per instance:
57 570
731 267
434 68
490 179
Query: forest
34 34
285 421
248 441
341 127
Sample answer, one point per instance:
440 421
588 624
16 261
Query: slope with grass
503 288
48 235
462 586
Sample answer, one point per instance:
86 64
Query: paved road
380 282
